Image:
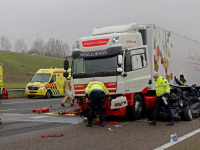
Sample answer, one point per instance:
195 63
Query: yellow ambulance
47 82
1 80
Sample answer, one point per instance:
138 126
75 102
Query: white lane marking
38 117
28 102
7 109
179 140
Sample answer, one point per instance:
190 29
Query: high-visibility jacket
182 82
95 86
162 86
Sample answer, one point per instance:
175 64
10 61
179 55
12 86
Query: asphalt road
22 129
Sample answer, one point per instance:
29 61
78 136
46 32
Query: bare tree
5 44
66 50
38 47
55 48
20 46
73 47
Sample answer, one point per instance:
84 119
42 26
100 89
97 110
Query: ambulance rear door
60 82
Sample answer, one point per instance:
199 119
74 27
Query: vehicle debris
41 110
43 136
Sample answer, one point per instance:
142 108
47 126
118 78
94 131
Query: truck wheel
30 96
187 115
138 107
48 94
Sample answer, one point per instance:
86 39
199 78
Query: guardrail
15 90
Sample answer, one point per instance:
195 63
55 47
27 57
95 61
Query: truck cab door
136 70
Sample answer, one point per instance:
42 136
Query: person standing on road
1 91
162 94
66 87
96 90
182 80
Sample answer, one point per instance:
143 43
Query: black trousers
96 97
159 104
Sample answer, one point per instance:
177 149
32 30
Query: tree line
52 48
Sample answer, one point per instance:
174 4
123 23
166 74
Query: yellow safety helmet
69 77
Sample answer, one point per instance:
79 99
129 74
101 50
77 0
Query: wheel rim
138 107
48 94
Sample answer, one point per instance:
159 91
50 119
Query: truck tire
138 107
30 96
48 94
187 115
136 111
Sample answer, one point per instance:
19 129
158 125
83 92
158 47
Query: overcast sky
69 20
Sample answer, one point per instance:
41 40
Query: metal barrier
15 90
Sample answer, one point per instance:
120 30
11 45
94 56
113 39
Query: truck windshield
94 67
41 78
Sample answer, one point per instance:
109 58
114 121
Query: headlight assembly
42 88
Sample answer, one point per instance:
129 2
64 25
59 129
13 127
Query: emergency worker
96 91
182 80
1 88
66 87
162 92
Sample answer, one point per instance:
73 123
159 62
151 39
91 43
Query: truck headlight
115 40
77 45
26 87
42 88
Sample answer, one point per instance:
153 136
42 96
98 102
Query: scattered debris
118 125
114 122
123 122
96 121
43 136
110 129
174 138
41 110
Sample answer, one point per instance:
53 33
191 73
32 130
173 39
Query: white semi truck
124 58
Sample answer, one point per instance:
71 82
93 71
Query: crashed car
184 103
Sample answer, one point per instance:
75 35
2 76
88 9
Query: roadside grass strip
179 140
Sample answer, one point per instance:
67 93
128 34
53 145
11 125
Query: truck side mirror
119 60
66 66
66 74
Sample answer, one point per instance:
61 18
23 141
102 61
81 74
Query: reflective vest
161 86
183 83
96 86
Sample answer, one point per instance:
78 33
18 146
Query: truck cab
116 56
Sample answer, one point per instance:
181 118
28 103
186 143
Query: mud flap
119 102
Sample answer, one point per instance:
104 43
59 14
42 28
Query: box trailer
124 58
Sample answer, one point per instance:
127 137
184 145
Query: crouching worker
162 95
66 87
96 90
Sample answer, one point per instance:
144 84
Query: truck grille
33 88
